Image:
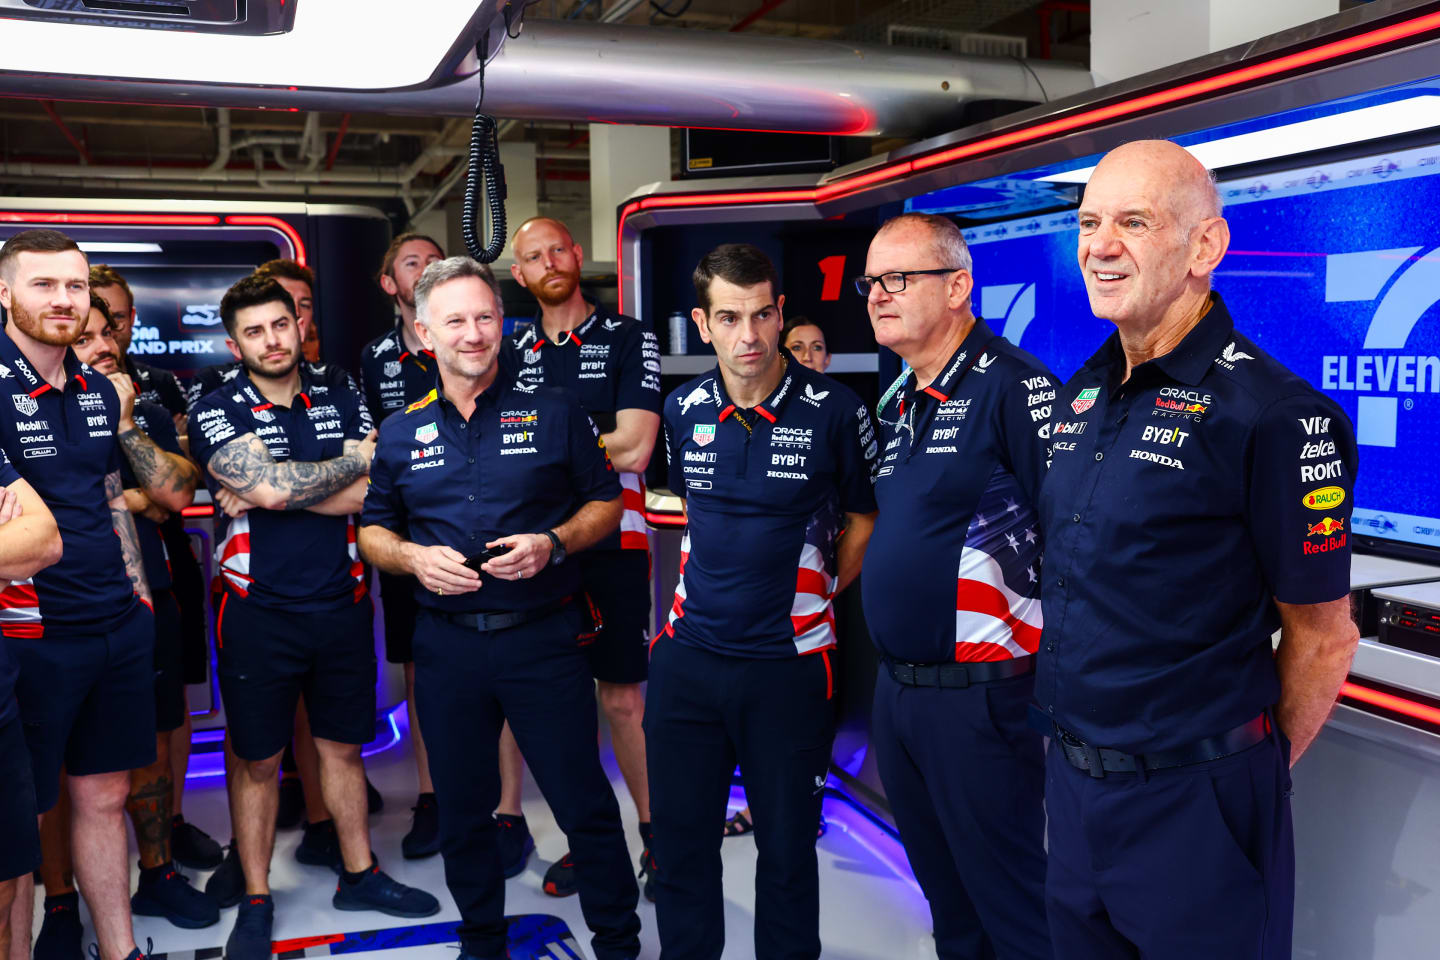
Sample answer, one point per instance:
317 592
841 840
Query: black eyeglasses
894 281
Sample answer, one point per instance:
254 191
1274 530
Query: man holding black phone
485 463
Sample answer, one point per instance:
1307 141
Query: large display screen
1334 269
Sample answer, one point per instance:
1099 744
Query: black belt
503 620
957 676
1099 761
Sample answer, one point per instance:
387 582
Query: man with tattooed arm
286 457
80 631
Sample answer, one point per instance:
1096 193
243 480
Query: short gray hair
947 242
453 268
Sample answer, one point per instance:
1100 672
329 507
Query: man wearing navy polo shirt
769 456
612 364
395 371
29 542
82 632
286 457
952 595
480 490
1198 501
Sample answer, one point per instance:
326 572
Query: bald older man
1198 500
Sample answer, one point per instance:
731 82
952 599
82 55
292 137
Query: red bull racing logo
1326 528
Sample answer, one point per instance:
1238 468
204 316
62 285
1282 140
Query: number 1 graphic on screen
833 270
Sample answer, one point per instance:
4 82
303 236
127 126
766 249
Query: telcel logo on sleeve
1324 498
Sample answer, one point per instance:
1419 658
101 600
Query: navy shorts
618 583
87 700
399 608
269 658
169 664
20 851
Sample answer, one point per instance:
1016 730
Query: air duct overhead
596 72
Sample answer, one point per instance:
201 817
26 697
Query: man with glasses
952 595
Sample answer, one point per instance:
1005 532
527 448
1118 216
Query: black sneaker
423 840
60 931
132 955
192 847
254 924
373 800
647 874
165 892
378 891
320 847
516 844
227 884
291 812
560 878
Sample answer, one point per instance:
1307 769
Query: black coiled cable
484 163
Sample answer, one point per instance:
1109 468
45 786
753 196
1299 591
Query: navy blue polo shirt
612 363
209 379
391 377
765 491
8 668
63 442
157 386
155 422
1179 505
284 559
526 460
957 483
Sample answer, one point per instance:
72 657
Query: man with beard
81 632
286 458
612 366
193 848
395 371
490 482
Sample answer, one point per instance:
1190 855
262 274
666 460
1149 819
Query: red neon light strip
1388 701
247 220
149 219
200 511
664 519
848 185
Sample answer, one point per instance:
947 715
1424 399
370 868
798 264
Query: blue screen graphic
1334 270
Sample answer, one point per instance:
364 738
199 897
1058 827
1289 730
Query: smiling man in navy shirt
82 631
480 490
1199 499
768 455
952 595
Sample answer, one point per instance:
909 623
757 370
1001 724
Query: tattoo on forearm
130 550
245 465
154 468
149 806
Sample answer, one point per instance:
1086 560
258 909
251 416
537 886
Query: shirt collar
30 381
504 380
535 338
771 407
1191 358
257 400
944 385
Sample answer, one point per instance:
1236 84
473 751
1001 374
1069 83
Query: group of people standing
1102 563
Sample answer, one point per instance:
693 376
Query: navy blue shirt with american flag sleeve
952 571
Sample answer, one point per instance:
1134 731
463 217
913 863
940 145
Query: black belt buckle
926 675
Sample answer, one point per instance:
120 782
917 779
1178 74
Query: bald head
548 262
1166 171
1151 235
541 224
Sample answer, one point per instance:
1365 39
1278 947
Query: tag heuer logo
392 368
427 434
703 434
26 404
532 356
264 416
1085 399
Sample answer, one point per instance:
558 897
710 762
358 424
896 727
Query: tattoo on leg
149 806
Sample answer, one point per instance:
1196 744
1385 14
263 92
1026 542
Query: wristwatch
557 549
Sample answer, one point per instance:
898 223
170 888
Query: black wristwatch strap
557 549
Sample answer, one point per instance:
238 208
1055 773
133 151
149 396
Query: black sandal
738 825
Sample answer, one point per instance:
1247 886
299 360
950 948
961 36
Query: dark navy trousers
467 683
1195 863
703 712
964 776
